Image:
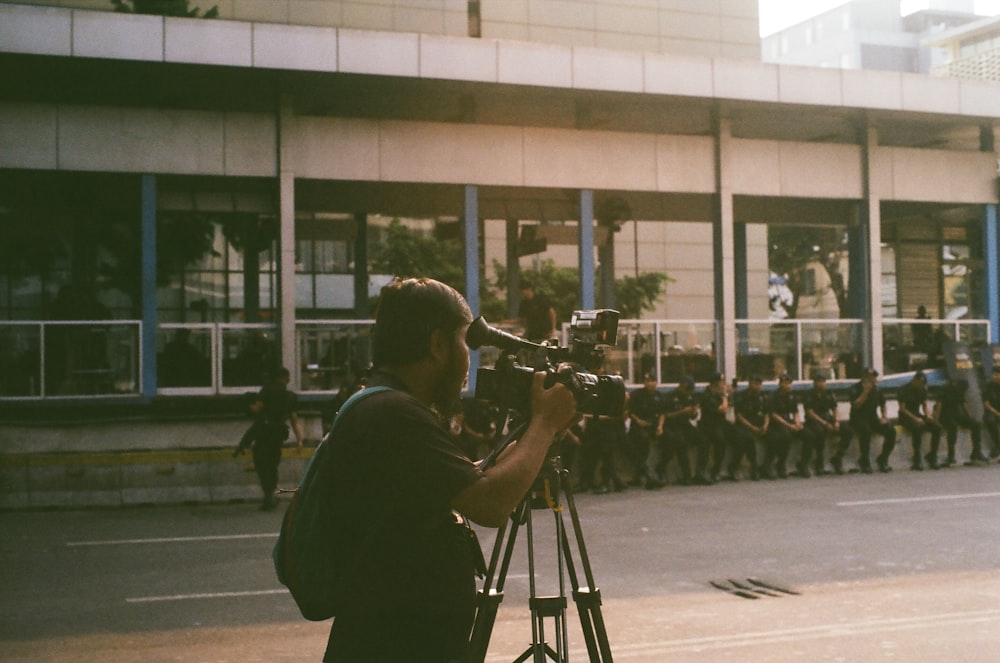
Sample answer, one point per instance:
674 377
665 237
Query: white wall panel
601 69
28 136
943 176
140 140
685 163
380 53
118 36
591 159
334 148
251 145
687 76
810 85
817 170
433 152
873 89
294 47
754 166
208 42
458 59
534 64
40 30
930 94
745 79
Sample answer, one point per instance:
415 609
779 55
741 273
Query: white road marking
198 597
910 500
175 539
658 649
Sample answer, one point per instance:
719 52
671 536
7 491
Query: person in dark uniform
604 436
868 418
991 410
786 427
645 411
952 412
273 406
536 315
917 419
679 415
752 421
717 429
821 422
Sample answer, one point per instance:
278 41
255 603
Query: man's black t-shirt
752 406
914 397
410 566
867 411
823 404
535 313
991 395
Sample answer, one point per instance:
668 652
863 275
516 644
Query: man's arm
490 500
297 429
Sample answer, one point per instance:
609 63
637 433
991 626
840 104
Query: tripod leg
489 599
588 598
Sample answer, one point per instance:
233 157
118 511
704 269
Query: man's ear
439 345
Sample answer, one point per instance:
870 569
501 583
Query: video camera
508 383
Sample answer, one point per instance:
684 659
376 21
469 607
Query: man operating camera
409 562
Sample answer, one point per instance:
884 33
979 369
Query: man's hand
490 500
555 407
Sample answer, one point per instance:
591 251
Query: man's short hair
408 311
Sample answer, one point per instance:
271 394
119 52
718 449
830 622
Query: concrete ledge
136 477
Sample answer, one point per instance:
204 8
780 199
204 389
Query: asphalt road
902 567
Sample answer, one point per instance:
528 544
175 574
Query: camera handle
587 597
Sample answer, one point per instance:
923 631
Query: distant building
868 34
969 51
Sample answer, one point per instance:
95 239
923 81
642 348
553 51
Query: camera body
508 383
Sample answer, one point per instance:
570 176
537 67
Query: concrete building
969 51
868 34
220 180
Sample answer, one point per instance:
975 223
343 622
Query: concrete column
587 298
741 286
513 269
286 275
361 265
724 252
991 267
870 223
472 247
472 267
147 344
284 119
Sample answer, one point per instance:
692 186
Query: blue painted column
147 344
741 285
587 298
472 267
991 267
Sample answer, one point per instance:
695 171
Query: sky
778 14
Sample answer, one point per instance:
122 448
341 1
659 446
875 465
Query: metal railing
669 349
100 358
800 348
69 359
330 353
214 357
909 344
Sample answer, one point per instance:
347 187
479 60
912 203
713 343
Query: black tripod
544 494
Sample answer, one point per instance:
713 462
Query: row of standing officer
667 426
